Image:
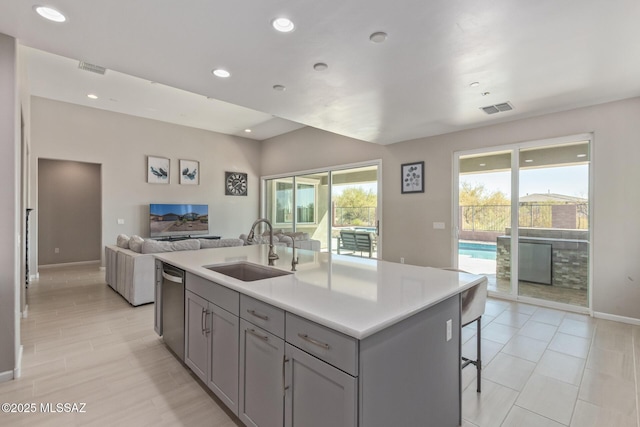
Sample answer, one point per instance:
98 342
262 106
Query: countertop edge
244 289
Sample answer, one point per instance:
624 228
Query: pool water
477 250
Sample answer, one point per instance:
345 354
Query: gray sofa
288 239
130 264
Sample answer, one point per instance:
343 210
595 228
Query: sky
567 180
161 209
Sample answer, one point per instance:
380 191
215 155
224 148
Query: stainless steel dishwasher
173 308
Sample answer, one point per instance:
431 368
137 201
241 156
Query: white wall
9 209
408 218
120 143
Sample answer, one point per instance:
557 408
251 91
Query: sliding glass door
553 224
354 203
324 203
523 219
484 214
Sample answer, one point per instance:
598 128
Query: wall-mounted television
178 220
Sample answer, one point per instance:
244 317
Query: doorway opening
69 212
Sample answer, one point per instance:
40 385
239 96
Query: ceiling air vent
91 67
492 109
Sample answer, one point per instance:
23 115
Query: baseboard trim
18 370
6 376
621 319
69 264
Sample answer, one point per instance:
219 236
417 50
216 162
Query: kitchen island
342 341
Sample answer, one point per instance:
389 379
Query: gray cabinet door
223 356
195 334
318 394
261 377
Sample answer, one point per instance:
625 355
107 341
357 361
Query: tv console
178 238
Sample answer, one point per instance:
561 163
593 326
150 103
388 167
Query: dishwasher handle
172 278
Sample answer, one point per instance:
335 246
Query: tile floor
545 367
84 343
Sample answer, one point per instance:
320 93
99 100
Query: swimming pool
477 250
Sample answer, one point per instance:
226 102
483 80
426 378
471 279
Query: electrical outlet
438 225
56 251
401 260
120 221
449 329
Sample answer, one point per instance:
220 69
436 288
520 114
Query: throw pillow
135 243
122 241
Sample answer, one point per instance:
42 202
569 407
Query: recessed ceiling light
528 161
92 96
582 155
474 84
49 13
279 88
320 66
284 25
483 164
247 130
219 72
485 93
378 37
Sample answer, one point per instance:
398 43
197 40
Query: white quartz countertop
355 296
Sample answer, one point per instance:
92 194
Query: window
306 202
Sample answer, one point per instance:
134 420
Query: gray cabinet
196 334
211 346
223 356
318 394
261 377
273 368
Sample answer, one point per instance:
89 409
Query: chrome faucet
272 255
294 258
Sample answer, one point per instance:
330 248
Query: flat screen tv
178 220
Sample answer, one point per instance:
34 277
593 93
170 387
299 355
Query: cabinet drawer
264 315
326 344
213 292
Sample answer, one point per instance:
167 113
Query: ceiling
540 56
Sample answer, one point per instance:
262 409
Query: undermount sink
247 272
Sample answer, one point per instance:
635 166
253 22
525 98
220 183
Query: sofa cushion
135 243
220 243
150 246
286 239
123 241
298 235
259 239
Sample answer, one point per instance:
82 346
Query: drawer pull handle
203 320
314 342
255 334
258 315
284 387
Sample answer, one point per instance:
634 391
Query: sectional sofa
130 264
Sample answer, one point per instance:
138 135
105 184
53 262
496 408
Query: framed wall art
189 172
413 177
157 170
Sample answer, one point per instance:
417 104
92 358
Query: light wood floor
83 343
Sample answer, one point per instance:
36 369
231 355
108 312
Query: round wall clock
235 184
